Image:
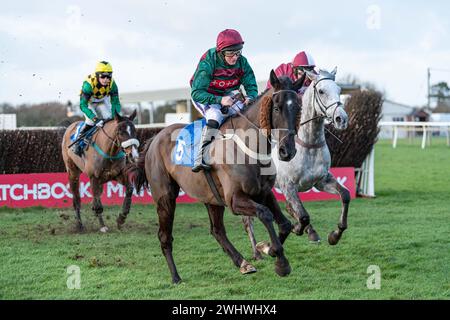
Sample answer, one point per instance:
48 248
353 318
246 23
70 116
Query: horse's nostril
338 119
283 152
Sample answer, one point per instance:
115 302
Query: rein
119 155
291 132
317 99
323 108
112 140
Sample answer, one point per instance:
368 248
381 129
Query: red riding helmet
303 59
229 39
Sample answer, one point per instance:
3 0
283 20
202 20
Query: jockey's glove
100 123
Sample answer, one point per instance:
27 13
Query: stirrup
78 150
201 166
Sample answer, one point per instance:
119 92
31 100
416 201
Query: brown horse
104 160
246 188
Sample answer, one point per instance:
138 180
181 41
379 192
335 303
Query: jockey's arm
115 102
249 81
86 93
200 85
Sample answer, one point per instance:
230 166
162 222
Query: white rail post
366 176
448 137
394 140
424 137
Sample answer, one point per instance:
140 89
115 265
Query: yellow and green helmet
103 67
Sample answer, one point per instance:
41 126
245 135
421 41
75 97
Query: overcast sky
47 48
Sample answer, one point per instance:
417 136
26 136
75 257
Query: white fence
365 176
426 128
8 121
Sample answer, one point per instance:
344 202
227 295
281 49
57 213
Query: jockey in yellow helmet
99 99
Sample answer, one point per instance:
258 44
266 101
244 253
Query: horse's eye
321 91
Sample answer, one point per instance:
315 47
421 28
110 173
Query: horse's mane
258 97
246 108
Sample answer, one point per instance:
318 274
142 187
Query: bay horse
111 146
311 164
244 188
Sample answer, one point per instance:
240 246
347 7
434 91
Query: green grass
405 231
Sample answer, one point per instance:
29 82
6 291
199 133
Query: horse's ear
311 75
266 113
133 115
274 79
334 71
117 117
299 83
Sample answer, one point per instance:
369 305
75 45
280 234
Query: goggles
228 53
304 68
105 75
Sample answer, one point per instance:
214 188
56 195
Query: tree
37 115
441 92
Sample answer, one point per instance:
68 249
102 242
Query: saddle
187 144
87 137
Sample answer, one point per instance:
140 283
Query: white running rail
424 127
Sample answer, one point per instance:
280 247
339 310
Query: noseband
319 101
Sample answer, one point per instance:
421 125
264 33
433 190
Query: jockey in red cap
220 72
295 70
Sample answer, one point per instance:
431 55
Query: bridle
291 132
324 108
115 141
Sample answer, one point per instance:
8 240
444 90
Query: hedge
364 111
39 151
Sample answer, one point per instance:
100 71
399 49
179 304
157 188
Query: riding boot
208 135
78 146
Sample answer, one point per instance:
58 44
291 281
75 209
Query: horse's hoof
263 247
80 228
313 237
333 237
176 280
246 268
298 230
104 229
120 223
282 268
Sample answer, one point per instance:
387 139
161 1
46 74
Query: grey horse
311 164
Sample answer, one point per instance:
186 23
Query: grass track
405 231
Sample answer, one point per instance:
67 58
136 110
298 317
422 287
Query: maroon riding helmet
229 39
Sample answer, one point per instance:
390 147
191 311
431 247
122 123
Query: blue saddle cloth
75 135
187 144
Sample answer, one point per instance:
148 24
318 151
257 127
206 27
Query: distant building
440 117
419 115
393 111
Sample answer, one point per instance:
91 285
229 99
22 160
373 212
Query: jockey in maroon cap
302 62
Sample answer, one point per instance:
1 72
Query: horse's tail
136 171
